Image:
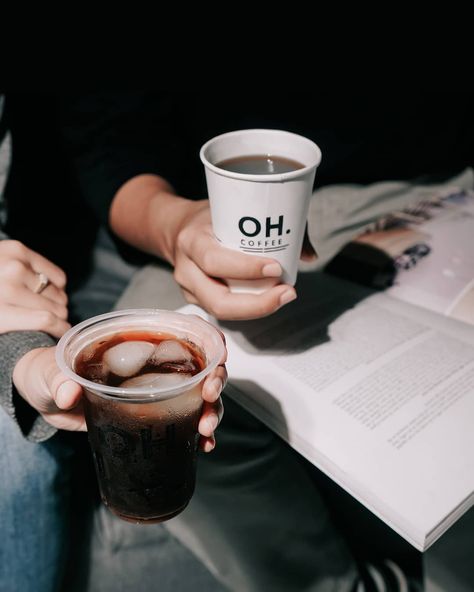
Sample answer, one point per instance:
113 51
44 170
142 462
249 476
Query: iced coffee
142 405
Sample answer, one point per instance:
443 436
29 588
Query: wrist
170 215
147 214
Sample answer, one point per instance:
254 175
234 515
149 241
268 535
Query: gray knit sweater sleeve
13 346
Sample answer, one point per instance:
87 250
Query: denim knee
34 509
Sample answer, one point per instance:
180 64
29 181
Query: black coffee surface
260 164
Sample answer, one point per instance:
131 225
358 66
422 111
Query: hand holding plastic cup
265 213
142 372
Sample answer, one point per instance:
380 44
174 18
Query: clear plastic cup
144 440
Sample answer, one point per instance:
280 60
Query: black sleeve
114 136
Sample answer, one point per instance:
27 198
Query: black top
71 153
363 139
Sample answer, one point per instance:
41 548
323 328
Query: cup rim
273 178
144 393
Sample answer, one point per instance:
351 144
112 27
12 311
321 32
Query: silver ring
43 282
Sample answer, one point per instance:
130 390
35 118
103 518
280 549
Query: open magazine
376 388
422 254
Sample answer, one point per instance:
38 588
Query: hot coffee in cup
259 184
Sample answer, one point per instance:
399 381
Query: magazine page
377 393
423 255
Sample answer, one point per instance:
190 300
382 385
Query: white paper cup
261 215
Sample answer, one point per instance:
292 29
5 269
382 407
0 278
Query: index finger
221 262
217 298
214 384
14 249
40 264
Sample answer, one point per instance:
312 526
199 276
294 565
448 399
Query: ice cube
129 357
171 351
155 379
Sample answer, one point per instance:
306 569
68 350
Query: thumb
67 393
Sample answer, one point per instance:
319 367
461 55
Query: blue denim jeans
35 496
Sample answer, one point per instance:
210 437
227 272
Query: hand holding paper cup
259 183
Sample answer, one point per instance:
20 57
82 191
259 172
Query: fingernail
287 296
212 422
61 395
209 445
272 270
216 385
